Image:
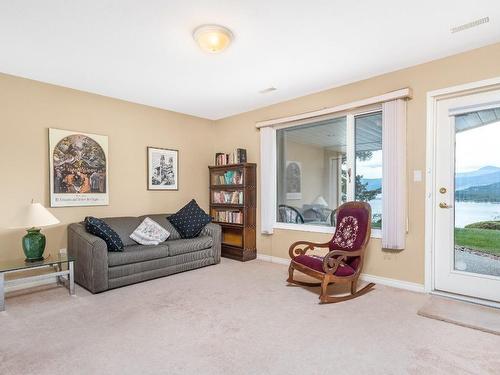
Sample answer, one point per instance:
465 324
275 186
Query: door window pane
368 188
477 192
311 172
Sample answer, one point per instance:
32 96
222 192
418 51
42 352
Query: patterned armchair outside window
289 214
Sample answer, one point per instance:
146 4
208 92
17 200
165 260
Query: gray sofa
98 270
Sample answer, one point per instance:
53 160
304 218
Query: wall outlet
63 251
417 175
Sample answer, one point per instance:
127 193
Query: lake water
465 212
472 212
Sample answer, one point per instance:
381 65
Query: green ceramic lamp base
34 245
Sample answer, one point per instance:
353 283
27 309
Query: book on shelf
218 158
241 155
229 178
238 156
228 197
232 217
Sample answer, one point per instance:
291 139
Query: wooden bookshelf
233 206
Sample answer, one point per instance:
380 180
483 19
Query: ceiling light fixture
213 38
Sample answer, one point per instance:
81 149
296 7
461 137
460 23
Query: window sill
376 233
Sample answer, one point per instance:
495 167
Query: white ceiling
142 50
331 134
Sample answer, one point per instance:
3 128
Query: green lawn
485 240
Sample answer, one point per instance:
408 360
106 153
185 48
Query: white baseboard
13 288
270 258
400 284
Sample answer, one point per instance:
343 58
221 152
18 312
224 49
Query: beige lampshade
34 215
320 201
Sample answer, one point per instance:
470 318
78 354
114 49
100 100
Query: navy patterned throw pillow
99 228
190 220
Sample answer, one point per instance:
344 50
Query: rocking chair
344 262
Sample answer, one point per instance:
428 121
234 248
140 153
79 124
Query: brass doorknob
444 205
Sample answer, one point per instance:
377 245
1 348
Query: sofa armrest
214 231
91 258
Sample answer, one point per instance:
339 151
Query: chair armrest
214 231
295 251
91 258
336 258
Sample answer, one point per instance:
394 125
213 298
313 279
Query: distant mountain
484 176
485 193
479 172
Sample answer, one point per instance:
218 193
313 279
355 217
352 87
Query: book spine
242 155
233 217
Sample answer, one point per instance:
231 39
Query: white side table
54 263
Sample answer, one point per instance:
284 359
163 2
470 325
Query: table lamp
33 217
320 201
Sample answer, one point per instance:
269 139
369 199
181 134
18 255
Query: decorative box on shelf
233 207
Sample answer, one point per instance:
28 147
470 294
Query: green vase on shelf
34 245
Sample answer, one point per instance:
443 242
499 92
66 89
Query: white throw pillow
149 232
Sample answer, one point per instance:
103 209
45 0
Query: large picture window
322 164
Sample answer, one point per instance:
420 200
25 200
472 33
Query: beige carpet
464 314
233 318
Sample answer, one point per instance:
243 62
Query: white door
466 244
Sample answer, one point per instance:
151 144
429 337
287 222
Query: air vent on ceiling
269 89
470 25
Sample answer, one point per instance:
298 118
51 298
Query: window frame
350 159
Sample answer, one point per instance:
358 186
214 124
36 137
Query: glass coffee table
54 264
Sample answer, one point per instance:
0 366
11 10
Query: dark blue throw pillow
190 220
99 228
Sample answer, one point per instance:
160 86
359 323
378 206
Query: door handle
444 205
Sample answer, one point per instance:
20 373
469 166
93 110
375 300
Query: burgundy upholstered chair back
353 226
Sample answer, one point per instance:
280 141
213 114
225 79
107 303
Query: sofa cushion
137 253
99 228
149 232
124 226
189 245
190 220
135 272
162 219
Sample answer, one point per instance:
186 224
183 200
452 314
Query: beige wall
240 131
29 108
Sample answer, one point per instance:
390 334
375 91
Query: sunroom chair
289 214
344 262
